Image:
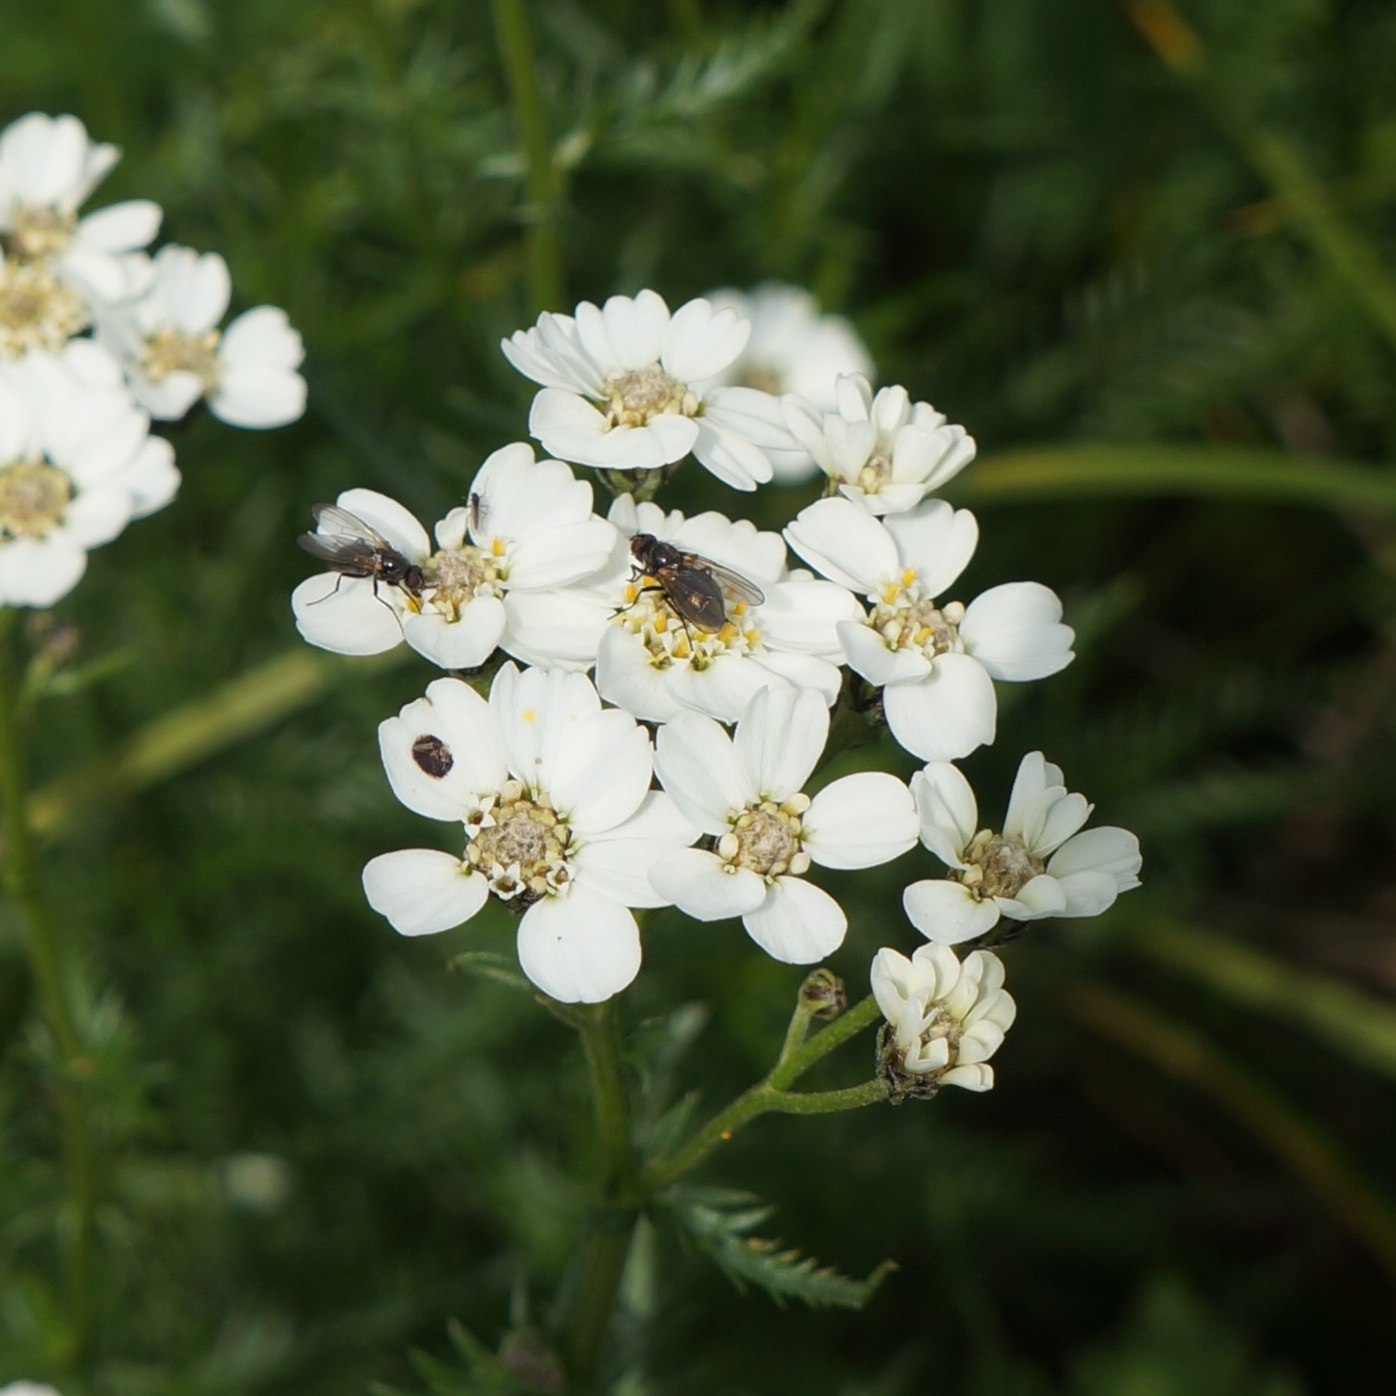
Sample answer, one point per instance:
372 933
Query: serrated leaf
783 1272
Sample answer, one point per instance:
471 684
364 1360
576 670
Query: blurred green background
1148 257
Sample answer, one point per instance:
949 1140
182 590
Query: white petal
1013 630
805 615
422 891
701 885
779 739
860 820
797 923
949 814
617 863
1087 893
451 726
700 343
38 571
697 764
258 398
1107 849
555 627
346 615
598 777
457 644
120 227
581 948
947 912
869 655
540 712
262 338
733 458
626 677
947 714
845 543
936 540
1041 896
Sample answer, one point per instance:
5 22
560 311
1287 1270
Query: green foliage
1156 284
721 1222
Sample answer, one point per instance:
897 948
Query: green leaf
722 1227
1219 472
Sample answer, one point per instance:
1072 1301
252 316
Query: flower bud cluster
97 338
704 627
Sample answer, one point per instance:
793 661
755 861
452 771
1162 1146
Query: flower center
644 611
766 838
521 845
633 398
168 351
33 496
998 866
40 232
876 471
907 618
36 310
453 576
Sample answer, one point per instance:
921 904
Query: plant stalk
542 179
46 958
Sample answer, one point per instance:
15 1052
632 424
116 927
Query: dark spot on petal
433 756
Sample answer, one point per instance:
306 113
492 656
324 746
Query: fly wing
343 540
727 579
696 595
332 520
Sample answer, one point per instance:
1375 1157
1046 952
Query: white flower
559 821
746 792
48 167
628 386
793 349
1038 866
173 353
885 452
944 1019
656 665
496 578
77 464
935 661
28 1388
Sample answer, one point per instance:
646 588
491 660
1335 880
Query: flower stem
770 1096
46 960
542 180
610 1227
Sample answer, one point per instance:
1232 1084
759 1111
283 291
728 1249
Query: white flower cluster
570 812
96 339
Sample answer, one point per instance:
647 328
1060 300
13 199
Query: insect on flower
693 586
350 547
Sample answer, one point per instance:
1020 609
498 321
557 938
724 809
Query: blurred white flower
630 386
1039 866
168 342
77 464
28 1388
885 452
656 665
498 576
935 661
944 1019
793 349
746 791
48 167
554 797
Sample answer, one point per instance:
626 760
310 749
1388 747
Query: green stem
610 1228
542 180
771 1096
46 959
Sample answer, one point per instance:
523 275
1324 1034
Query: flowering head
37 310
1039 865
945 1019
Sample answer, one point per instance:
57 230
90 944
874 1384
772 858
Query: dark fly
347 545
692 585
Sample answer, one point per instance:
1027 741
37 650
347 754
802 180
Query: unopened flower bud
823 994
